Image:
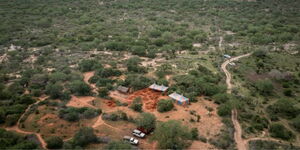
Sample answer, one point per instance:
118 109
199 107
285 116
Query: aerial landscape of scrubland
150 74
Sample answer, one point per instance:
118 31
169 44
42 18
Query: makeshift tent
180 99
123 89
156 87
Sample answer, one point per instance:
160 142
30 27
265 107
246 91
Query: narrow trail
16 128
241 143
220 42
99 121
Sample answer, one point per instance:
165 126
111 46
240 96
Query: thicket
74 114
11 140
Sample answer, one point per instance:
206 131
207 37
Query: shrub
279 131
54 142
80 88
84 137
165 105
137 105
146 121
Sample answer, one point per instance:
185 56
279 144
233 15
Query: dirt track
241 143
17 129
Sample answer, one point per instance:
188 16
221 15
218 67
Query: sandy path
220 42
241 143
99 121
17 129
86 78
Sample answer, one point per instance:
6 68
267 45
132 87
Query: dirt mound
149 97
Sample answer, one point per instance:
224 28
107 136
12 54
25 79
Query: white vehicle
138 133
131 140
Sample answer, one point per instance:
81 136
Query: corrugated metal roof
178 97
123 89
158 87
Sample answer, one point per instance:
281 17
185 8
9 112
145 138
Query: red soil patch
110 103
83 101
149 98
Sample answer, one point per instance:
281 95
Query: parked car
131 140
138 133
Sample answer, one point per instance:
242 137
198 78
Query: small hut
160 88
123 89
180 99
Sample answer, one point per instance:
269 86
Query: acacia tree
146 121
172 135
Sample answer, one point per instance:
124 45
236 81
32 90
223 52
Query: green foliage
172 135
80 88
225 109
54 90
137 104
279 131
264 87
133 65
54 142
195 134
284 108
117 46
88 65
137 82
165 105
11 140
296 123
146 121
103 92
221 98
74 114
84 137
115 145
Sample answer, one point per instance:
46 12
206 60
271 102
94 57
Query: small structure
227 56
123 89
180 99
160 88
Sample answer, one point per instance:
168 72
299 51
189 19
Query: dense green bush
11 140
84 137
146 121
89 65
54 142
264 87
284 108
168 139
165 105
80 88
74 114
279 131
137 104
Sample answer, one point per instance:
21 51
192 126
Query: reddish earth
149 98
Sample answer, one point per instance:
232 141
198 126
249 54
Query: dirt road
241 143
17 129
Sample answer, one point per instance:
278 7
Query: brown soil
149 98
83 101
17 129
86 78
200 145
210 123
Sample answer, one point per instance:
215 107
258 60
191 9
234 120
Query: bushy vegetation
146 121
279 131
82 138
11 140
168 139
137 104
165 105
54 142
74 114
